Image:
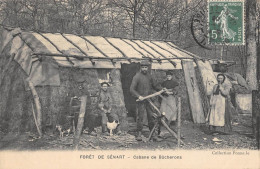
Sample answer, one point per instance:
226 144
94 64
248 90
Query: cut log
80 122
152 95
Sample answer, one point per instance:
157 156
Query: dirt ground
194 137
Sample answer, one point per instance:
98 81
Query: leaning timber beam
38 107
80 122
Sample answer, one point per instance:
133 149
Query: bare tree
10 10
157 18
133 8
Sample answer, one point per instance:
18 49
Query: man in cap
141 86
105 106
104 109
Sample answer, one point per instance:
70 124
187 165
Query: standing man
142 85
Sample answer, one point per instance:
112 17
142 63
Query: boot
92 133
104 128
139 136
156 138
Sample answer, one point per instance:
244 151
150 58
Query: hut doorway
127 73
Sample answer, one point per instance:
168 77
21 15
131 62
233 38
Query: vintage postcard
129 84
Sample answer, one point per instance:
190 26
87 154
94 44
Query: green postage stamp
226 22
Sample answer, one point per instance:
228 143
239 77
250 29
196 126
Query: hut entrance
127 73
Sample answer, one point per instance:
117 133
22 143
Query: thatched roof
67 50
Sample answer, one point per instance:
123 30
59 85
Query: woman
168 104
219 117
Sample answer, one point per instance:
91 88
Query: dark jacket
143 85
170 84
104 100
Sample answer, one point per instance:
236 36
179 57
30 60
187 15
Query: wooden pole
151 133
152 95
170 130
37 105
80 122
106 58
164 123
36 123
179 122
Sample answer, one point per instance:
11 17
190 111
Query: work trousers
92 121
96 119
144 107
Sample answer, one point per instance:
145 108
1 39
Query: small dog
62 131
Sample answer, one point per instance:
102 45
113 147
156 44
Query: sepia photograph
129 83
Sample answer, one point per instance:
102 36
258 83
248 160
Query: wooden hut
61 66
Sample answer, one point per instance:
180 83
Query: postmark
226 22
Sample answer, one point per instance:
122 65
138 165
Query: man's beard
144 71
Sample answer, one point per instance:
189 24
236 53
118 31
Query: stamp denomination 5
226 22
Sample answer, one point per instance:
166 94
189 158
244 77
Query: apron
217 111
168 106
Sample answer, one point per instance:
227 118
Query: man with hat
141 86
101 113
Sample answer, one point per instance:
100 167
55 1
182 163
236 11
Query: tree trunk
251 72
45 22
256 113
36 23
134 23
179 122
